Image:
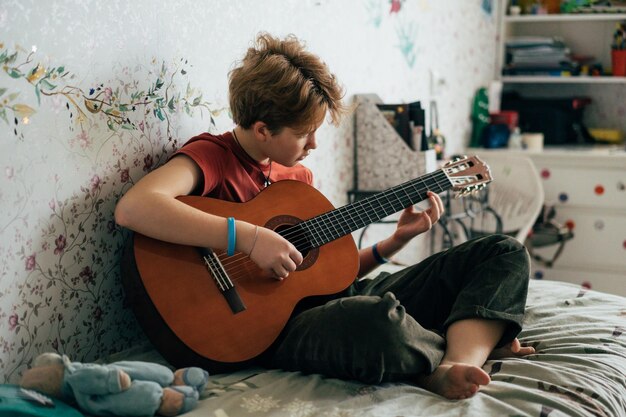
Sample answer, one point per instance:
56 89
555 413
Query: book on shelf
409 122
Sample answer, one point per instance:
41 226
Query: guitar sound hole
296 237
284 225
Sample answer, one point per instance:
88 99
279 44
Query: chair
511 202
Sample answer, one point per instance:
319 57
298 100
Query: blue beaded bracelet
232 236
377 255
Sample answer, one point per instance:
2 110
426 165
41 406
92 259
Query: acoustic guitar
200 307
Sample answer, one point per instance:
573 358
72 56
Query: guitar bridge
222 280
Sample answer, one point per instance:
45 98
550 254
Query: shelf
520 79
540 18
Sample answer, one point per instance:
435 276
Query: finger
279 275
296 257
442 208
289 265
438 202
426 216
435 201
434 212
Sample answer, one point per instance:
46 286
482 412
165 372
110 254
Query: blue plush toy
127 388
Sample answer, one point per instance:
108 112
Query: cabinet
584 34
587 187
588 190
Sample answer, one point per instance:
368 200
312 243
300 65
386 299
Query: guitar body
186 316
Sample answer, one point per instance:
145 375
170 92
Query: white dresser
587 186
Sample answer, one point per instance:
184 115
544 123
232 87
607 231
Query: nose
312 141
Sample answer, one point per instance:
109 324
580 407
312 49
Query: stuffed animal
127 388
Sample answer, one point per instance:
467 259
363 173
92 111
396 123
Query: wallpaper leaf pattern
117 105
71 290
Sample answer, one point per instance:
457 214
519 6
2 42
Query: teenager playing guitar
435 323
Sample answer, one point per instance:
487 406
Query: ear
261 132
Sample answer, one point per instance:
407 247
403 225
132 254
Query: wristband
377 255
232 236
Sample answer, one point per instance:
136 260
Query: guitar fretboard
349 218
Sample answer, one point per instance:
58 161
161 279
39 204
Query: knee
383 315
505 244
506 251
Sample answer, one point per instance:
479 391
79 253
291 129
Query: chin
287 164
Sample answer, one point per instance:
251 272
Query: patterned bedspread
579 370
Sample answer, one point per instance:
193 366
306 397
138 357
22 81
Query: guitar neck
349 218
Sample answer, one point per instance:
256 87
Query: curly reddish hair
281 84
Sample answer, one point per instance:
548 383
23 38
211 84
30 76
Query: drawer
599 240
605 188
613 283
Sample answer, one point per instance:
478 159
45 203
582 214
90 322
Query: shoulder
210 152
206 145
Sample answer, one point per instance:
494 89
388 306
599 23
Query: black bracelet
377 255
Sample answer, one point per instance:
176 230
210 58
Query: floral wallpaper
95 94
114 131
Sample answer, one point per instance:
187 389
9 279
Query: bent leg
484 278
367 338
475 293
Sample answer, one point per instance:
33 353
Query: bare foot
512 349
455 381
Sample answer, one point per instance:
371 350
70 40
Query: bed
579 370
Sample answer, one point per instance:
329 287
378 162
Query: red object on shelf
505 117
618 60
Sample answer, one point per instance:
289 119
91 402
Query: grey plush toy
127 388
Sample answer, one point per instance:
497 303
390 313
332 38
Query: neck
249 144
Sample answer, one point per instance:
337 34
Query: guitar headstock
467 174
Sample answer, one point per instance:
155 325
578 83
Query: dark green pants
391 328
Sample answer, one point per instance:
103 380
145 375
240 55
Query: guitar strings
235 266
228 261
358 207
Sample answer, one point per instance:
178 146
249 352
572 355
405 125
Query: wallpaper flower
119 129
